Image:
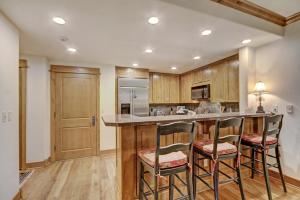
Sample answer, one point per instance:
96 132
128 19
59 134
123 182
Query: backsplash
170 109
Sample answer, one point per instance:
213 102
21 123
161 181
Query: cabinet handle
93 120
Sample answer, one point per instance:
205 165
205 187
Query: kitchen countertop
125 120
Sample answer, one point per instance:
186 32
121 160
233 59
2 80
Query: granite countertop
125 120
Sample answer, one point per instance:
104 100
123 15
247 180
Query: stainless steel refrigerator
133 96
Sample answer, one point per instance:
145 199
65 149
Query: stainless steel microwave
201 91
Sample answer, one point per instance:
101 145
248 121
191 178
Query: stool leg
189 184
238 170
171 188
266 174
253 164
194 175
279 168
156 188
141 185
216 181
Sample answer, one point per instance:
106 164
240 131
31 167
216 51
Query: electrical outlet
9 116
4 117
289 109
275 109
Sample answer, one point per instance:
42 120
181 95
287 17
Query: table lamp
259 90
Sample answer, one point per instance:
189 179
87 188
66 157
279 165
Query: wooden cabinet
186 82
164 88
233 81
224 78
219 86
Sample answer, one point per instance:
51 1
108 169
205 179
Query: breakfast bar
138 133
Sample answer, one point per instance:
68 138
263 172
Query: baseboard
288 179
18 196
40 164
107 152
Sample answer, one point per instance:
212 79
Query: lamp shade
260 87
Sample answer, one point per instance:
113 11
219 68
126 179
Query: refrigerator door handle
131 101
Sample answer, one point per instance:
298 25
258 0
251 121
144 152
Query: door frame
75 70
22 112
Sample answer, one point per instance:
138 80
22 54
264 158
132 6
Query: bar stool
217 151
262 144
167 161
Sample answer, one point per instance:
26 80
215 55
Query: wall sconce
259 90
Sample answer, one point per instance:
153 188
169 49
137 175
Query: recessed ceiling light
148 51
206 32
246 41
153 20
135 64
59 20
174 68
72 50
196 58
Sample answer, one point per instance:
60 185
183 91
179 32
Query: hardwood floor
93 178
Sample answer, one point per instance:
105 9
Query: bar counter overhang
137 133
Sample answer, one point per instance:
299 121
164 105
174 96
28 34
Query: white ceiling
116 32
283 7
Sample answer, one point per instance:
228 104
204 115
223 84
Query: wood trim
23 63
255 10
73 69
52 114
79 70
18 196
293 18
288 179
22 113
39 164
108 152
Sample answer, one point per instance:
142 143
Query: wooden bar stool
262 144
167 161
217 151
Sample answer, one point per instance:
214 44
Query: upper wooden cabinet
225 80
186 82
164 88
132 72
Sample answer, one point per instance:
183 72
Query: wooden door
76 114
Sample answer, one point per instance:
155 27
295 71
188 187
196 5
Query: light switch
289 109
9 116
4 117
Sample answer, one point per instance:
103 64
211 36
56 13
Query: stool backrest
235 139
179 128
272 126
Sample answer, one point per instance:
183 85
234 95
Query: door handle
93 120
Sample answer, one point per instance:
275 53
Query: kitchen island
137 133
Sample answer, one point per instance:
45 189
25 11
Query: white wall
278 65
9 93
38 109
107 106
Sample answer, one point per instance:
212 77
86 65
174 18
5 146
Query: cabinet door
219 87
151 88
233 81
197 76
165 86
157 88
174 89
186 82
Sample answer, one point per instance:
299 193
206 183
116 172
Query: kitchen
158 99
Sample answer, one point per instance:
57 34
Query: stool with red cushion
262 144
167 162
217 151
